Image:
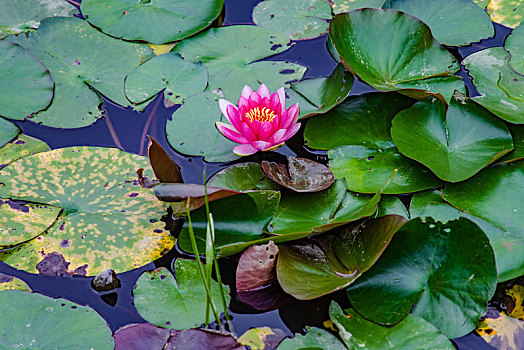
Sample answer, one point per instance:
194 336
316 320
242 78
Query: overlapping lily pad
168 72
317 96
501 331
81 59
8 131
108 220
156 22
314 338
41 322
243 177
19 147
501 88
22 74
340 6
391 50
175 304
233 56
517 131
411 333
298 20
358 134
25 15
330 263
391 205
506 12
12 283
455 143
514 46
426 264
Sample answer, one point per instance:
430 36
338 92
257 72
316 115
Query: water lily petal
273 147
277 136
263 91
274 101
282 95
234 117
230 132
244 150
265 131
291 117
254 100
243 105
291 131
247 132
246 92
261 145
223 106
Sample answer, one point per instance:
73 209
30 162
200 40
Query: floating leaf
300 174
391 50
165 168
81 59
262 338
108 220
20 147
317 96
314 338
513 45
159 21
175 304
204 140
391 205
517 131
41 322
455 22
12 283
413 332
455 144
234 55
141 336
298 20
340 6
168 72
202 339
22 74
501 331
501 88
505 12
243 177
426 264
8 131
25 15
330 263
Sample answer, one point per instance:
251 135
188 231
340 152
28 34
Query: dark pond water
127 130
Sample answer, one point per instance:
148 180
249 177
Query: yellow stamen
264 115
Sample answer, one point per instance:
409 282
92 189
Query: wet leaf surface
391 205
41 322
314 338
318 266
413 332
156 22
174 304
300 174
108 220
243 177
426 264
455 143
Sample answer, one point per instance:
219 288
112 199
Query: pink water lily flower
261 121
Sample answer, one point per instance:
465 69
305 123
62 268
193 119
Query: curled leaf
165 169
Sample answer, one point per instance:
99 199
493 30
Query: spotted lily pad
501 331
262 338
22 74
108 220
12 283
300 174
81 59
8 131
506 12
25 15
501 88
67 325
168 72
175 304
391 50
156 22
233 58
455 143
298 20
19 147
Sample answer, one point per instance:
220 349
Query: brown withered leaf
192 339
165 169
141 336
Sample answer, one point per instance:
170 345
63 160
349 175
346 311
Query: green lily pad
514 46
20 147
315 338
108 220
22 222
156 22
391 50
455 144
517 131
168 72
81 59
175 304
340 6
192 130
426 264
317 96
233 57
330 263
22 74
298 20
508 247
501 88
454 23
8 131
413 332
320 211
493 195
40 322
391 205
243 177
506 12
237 219
25 15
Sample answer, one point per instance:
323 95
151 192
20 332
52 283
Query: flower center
262 115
